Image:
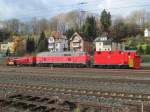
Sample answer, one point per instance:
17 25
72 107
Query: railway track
73 79
72 91
47 81
31 101
118 84
77 70
37 103
49 104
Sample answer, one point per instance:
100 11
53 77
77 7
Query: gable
51 39
77 38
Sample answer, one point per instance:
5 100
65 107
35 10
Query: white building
6 46
105 44
146 33
59 44
51 44
102 44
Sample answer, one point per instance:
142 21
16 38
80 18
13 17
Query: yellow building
12 45
9 45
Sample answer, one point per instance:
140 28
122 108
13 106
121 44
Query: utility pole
80 12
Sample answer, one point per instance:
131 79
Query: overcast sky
27 9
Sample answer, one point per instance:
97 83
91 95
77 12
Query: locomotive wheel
66 65
78 65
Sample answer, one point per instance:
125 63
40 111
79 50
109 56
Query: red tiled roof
56 35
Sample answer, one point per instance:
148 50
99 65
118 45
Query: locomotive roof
66 53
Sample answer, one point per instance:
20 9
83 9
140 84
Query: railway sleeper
39 108
34 99
43 99
19 105
5 103
70 104
32 106
15 96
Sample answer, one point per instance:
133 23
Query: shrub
140 50
147 49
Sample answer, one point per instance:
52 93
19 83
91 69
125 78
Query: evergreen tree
69 33
41 46
8 52
105 20
140 50
42 43
30 45
89 28
20 51
147 49
42 37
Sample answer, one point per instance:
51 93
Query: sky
27 9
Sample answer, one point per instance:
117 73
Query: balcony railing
76 45
50 46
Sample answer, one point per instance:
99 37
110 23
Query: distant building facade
103 43
57 42
146 33
78 42
6 46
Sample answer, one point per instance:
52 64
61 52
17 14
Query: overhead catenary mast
80 12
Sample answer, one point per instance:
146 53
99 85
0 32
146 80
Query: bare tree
13 25
139 17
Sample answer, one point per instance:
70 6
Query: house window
107 43
76 44
56 49
51 44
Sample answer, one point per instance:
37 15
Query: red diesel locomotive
103 59
68 59
117 59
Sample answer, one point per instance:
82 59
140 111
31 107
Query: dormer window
103 38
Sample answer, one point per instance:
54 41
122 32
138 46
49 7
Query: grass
2 61
145 58
145 61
